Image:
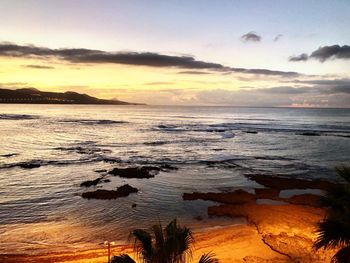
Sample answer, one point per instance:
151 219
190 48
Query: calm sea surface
41 209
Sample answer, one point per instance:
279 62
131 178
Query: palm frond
337 198
208 258
332 233
342 256
178 242
123 258
143 243
158 234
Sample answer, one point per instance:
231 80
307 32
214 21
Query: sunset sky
239 53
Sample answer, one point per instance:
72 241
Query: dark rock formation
283 183
91 183
121 191
236 197
136 172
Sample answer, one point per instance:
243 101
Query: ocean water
41 209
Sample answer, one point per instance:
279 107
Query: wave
83 150
92 122
32 164
254 128
8 155
17 117
155 143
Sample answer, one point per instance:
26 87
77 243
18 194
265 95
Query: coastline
273 233
269 238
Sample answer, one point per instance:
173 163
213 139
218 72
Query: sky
238 53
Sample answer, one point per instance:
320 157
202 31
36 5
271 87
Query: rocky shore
278 228
284 227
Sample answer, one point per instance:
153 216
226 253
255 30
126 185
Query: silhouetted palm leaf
334 230
169 245
333 233
143 244
208 258
342 256
123 258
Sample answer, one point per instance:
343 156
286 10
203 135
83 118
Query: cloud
328 52
301 57
159 83
193 72
285 90
277 96
38 67
278 37
328 82
81 55
325 53
338 89
251 37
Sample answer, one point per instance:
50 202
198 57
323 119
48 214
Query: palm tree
334 229
169 245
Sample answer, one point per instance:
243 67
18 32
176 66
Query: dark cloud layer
81 55
251 37
325 53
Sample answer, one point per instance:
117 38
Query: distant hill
34 96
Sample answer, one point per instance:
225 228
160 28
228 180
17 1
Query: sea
47 151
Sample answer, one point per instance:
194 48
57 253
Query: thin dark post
109 252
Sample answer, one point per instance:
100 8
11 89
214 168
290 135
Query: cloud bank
90 56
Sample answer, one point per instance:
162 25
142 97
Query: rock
133 205
236 197
29 165
90 183
121 191
267 193
283 183
136 172
305 199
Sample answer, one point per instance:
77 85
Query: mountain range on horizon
35 96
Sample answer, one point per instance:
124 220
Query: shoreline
281 230
273 233
273 241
